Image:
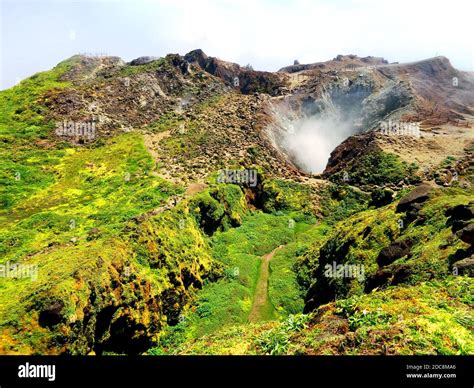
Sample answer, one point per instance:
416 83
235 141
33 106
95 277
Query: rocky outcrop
135 95
51 314
349 150
245 79
325 289
461 218
339 62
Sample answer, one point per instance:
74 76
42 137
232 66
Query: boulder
197 57
401 274
378 279
381 197
413 200
464 267
388 276
459 216
396 250
466 234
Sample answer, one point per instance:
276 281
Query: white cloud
268 34
272 34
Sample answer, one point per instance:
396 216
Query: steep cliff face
328 102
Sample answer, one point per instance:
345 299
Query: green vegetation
286 291
378 168
21 108
26 165
130 263
341 201
430 318
93 188
359 240
277 340
218 208
72 212
284 195
425 312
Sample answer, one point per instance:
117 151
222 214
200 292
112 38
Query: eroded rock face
432 80
347 151
324 289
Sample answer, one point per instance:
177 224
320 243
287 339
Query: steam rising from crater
310 140
308 136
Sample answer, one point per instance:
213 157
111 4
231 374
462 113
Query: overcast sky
269 34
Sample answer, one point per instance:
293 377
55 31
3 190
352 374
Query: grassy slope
284 295
26 167
68 210
228 301
430 318
51 228
421 316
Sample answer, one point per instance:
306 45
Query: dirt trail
260 300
